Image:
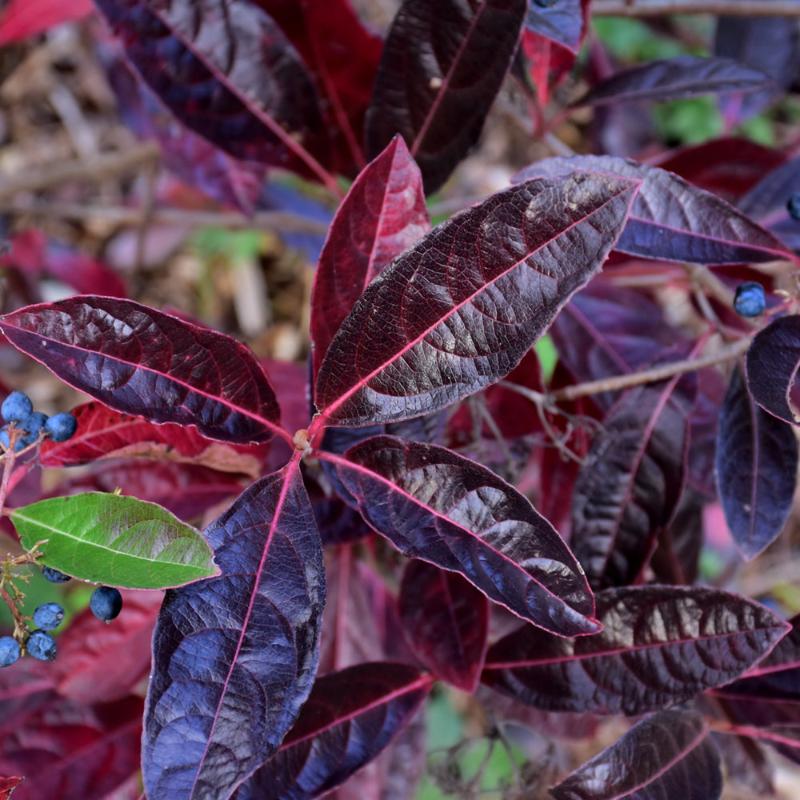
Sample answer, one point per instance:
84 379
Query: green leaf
115 540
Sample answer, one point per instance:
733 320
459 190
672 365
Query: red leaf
446 621
7 786
660 645
75 751
383 214
97 662
435 505
107 434
24 18
141 361
442 65
460 310
348 719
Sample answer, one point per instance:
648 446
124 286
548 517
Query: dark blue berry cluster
18 414
749 300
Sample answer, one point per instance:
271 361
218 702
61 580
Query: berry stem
20 627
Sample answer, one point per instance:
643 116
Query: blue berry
61 427
41 646
54 576
48 616
793 206
9 651
17 407
34 424
749 300
106 603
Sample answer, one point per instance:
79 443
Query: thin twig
652 375
741 8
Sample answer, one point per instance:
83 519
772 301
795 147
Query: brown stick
650 375
738 8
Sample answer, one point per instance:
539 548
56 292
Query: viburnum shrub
450 509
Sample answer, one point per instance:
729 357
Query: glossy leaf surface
631 481
442 65
446 621
106 434
660 646
445 509
234 657
226 71
383 214
672 220
141 361
756 469
666 755
116 540
772 363
348 719
673 78
459 310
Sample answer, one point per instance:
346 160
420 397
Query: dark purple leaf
766 202
756 469
348 719
561 22
660 646
143 362
769 44
461 309
677 557
227 72
383 214
772 364
234 657
71 751
667 755
631 480
442 65
438 506
746 765
673 78
711 389
446 621
672 220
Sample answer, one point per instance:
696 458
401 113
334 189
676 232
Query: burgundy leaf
104 434
438 506
7 786
383 214
772 363
348 719
673 78
677 556
460 310
446 621
672 220
97 662
24 690
660 646
442 65
561 22
756 469
766 202
631 481
343 58
667 755
141 361
234 657
75 751
227 72
24 18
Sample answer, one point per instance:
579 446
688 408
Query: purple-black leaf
446 621
673 78
660 646
766 202
756 469
442 65
672 220
445 509
383 214
631 480
460 309
348 719
667 755
772 364
561 22
143 362
234 657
